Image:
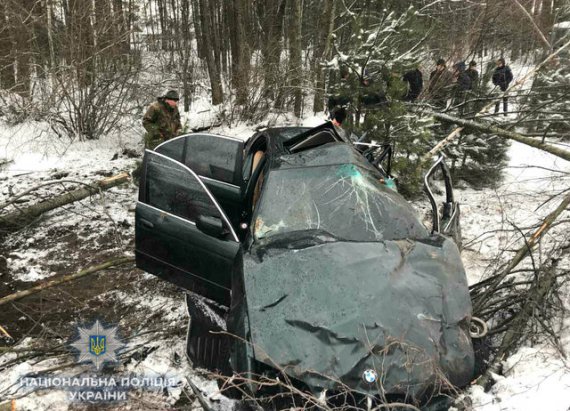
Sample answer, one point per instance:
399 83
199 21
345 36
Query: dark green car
301 263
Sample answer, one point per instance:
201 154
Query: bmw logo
370 376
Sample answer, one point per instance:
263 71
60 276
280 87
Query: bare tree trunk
245 31
214 74
49 16
215 10
164 32
123 28
323 53
240 50
295 62
197 18
185 53
21 35
271 14
7 79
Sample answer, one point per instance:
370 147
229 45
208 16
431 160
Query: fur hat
171 95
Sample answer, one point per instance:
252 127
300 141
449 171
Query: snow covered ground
93 229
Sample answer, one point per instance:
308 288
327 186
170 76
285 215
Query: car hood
327 313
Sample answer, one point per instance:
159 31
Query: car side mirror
213 226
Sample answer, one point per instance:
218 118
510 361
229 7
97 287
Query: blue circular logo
370 376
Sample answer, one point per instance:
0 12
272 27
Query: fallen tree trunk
17 219
511 135
65 279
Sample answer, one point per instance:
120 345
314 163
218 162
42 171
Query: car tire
206 345
482 349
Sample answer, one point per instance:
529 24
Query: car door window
174 188
215 157
173 148
211 156
171 188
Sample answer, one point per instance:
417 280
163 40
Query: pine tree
547 111
370 67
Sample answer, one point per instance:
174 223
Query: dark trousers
505 106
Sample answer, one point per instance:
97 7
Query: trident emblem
97 344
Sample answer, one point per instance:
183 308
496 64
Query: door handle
147 223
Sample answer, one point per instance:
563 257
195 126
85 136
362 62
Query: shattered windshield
345 201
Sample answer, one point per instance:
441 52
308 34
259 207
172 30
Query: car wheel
206 345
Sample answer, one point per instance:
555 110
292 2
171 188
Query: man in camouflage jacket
162 120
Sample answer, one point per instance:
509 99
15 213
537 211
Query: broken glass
347 201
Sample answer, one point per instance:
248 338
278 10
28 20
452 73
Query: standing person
337 116
502 77
162 120
415 81
474 104
461 85
340 95
473 75
439 82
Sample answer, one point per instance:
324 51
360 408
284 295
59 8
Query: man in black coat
439 83
502 77
461 84
473 75
415 82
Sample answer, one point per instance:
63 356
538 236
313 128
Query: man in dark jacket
461 79
415 82
461 84
162 120
473 75
502 77
341 93
439 83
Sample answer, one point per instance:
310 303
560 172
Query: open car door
181 232
217 160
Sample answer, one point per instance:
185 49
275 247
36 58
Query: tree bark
164 32
49 22
271 14
240 48
323 54
214 74
7 79
185 53
17 219
295 62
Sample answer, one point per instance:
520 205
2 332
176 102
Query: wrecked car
300 263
